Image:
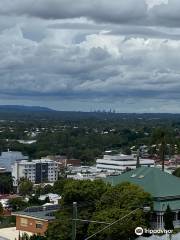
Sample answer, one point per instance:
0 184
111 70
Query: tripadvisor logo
139 231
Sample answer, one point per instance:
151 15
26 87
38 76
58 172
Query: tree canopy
114 204
6 183
97 201
25 187
176 172
17 204
168 219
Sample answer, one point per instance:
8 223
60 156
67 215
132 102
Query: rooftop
158 183
45 213
33 162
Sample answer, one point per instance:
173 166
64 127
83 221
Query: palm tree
159 137
162 149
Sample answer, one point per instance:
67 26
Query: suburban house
35 219
53 198
163 187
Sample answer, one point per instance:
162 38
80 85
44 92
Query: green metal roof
158 183
162 205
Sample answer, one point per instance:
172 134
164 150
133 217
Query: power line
90 221
111 224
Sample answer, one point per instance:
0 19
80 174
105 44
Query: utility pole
138 160
74 221
162 150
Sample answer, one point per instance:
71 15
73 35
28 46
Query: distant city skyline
89 55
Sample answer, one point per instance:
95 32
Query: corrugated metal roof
43 213
158 183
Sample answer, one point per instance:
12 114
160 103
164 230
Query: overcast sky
91 54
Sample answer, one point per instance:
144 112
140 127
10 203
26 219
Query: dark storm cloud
101 10
124 11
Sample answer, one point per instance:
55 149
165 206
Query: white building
37 171
53 198
4 202
8 158
121 162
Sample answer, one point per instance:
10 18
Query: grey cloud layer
124 11
102 10
101 65
46 54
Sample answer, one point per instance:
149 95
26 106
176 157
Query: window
24 222
39 225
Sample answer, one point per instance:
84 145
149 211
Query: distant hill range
16 112
21 108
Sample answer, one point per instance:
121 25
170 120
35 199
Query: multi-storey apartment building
37 171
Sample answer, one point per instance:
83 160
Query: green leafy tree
114 204
17 204
162 137
61 228
97 201
6 184
36 237
47 189
60 184
41 190
38 190
25 236
25 187
168 219
1 209
176 172
86 193
83 191
34 201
